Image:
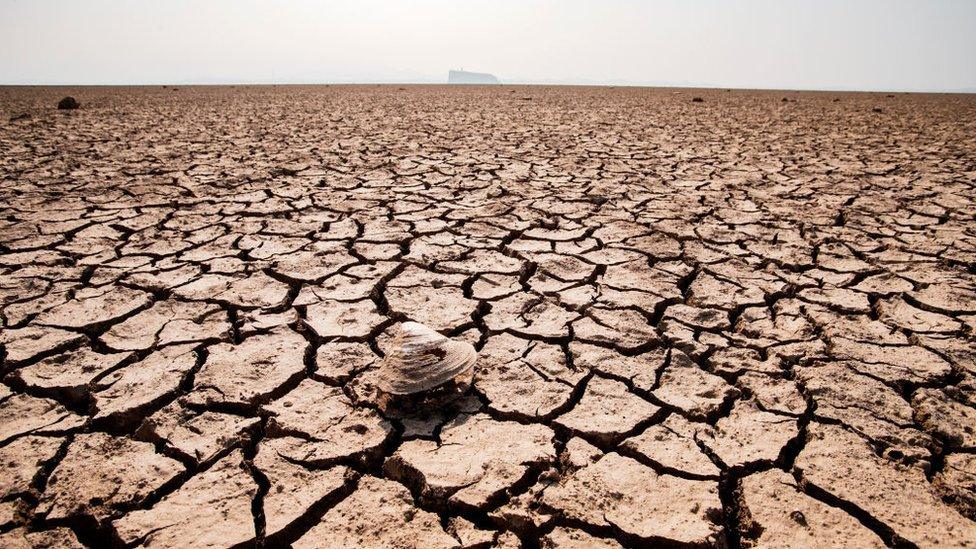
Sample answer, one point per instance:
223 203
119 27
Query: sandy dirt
741 321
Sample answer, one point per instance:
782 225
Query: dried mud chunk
438 297
168 322
607 412
897 312
579 453
773 394
442 308
130 391
864 404
102 475
212 509
21 460
294 490
24 344
22 414
749 436
470 536
529 315
692 390
492 286
257 290
947 298
734 360
671 446
621 493
944 417
69 375
320 425
845 466
640 370
477 460
624 328
567 538
524 378
841 299
711 292
200 436
56 538
250 372
337 362
95 306
896 364
956 483
380 513
313 265
786 517
708 319
337 319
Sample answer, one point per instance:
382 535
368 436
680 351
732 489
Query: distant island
465 77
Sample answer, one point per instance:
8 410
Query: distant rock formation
465 77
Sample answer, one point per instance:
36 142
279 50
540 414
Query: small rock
68 103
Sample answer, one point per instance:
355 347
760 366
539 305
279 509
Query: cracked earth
746 321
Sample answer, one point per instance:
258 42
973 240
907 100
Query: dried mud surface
743 321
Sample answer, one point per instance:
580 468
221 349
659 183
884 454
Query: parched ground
746 321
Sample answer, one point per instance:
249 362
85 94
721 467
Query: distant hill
465 77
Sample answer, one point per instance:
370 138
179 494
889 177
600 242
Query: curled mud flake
619 493
470 468
103 475
379 513
211 509
783 516
842 465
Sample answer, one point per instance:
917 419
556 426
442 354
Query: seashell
423 359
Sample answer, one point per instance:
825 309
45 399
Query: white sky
811 44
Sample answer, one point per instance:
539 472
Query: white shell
423 359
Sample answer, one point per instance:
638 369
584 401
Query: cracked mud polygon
742 321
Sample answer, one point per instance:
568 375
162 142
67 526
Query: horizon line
611 84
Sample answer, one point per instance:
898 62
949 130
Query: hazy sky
815 44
